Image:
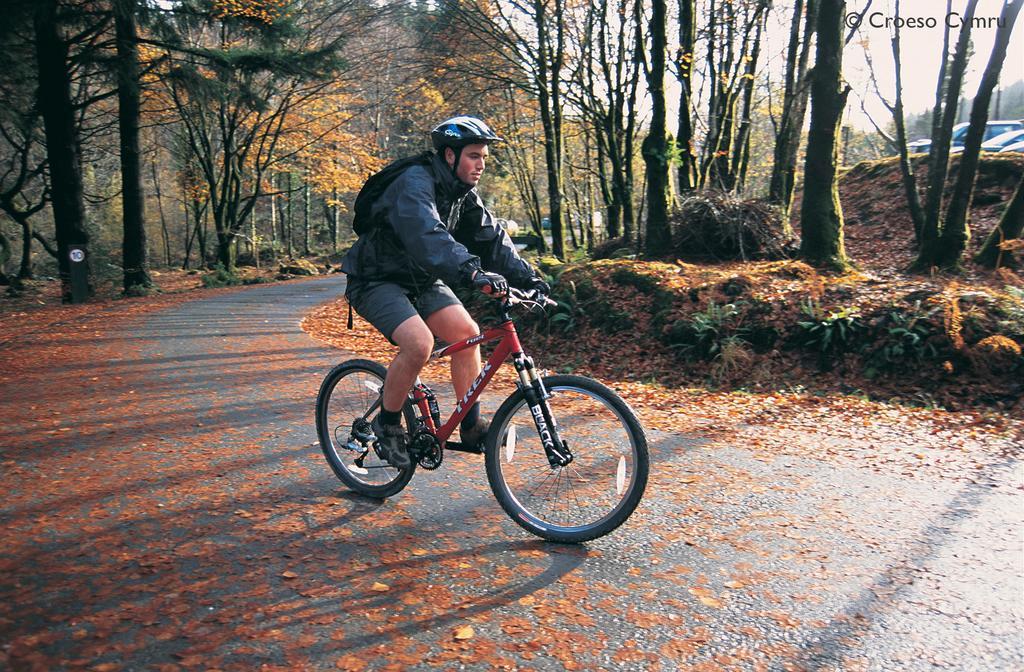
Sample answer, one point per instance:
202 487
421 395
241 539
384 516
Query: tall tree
899 120
687 168
951 82
549 76
956 230
526 46
821 215
741 151
517 152
734 35
63 150
794 107
655 147
133 246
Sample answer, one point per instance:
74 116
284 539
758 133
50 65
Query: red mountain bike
566 457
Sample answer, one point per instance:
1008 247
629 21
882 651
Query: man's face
471 162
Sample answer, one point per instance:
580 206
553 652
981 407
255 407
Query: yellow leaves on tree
267 12
317 138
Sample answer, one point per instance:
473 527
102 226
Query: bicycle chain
427 450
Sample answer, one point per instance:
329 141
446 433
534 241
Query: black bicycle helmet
458 132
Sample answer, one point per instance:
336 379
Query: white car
1015 147
1004 140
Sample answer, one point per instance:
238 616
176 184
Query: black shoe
392 440
475 435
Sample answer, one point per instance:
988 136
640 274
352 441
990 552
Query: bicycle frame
558 453
509 346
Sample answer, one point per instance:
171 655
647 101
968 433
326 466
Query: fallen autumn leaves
170 513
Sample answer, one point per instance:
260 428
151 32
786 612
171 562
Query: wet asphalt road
177 514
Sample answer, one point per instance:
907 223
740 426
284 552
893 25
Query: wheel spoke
348 398
597 490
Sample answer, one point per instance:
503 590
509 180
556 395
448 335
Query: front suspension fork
537 396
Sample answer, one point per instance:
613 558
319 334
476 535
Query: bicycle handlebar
516 297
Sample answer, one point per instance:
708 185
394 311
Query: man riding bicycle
422 229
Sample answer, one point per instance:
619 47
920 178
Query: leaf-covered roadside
773 422
763 326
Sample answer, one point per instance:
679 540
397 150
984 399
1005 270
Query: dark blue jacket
430 225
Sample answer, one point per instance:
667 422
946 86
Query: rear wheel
593 494
349 398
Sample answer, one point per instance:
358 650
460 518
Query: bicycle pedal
355 447
364 437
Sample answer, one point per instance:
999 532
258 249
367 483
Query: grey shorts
386 305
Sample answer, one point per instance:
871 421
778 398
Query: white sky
921 49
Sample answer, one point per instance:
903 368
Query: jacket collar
450 186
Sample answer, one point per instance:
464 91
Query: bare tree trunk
25 271
133 245
821 215
687 170
794 109
62 145
549 73
956 231
906 167
165 233
5 256
289 221
938 155
1010 227
334 221
655 147
273 219
741 151
305 218
943 81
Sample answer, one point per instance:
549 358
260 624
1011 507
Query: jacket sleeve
492 243
412 212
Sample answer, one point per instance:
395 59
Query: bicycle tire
346 393
609 470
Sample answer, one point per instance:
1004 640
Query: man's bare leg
415 343
452 324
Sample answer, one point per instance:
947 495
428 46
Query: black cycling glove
490 283
538 285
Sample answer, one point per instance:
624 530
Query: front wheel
349 399
593 494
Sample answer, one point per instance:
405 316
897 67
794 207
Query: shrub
734 358
716 225
904 338
566 316
220 277
830 336
704 334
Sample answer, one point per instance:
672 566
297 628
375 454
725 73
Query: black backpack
362 223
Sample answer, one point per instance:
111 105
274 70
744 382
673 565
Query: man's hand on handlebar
538 285
533 296
490 283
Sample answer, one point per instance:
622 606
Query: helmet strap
458 158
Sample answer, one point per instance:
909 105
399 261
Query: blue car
992 129
998 143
